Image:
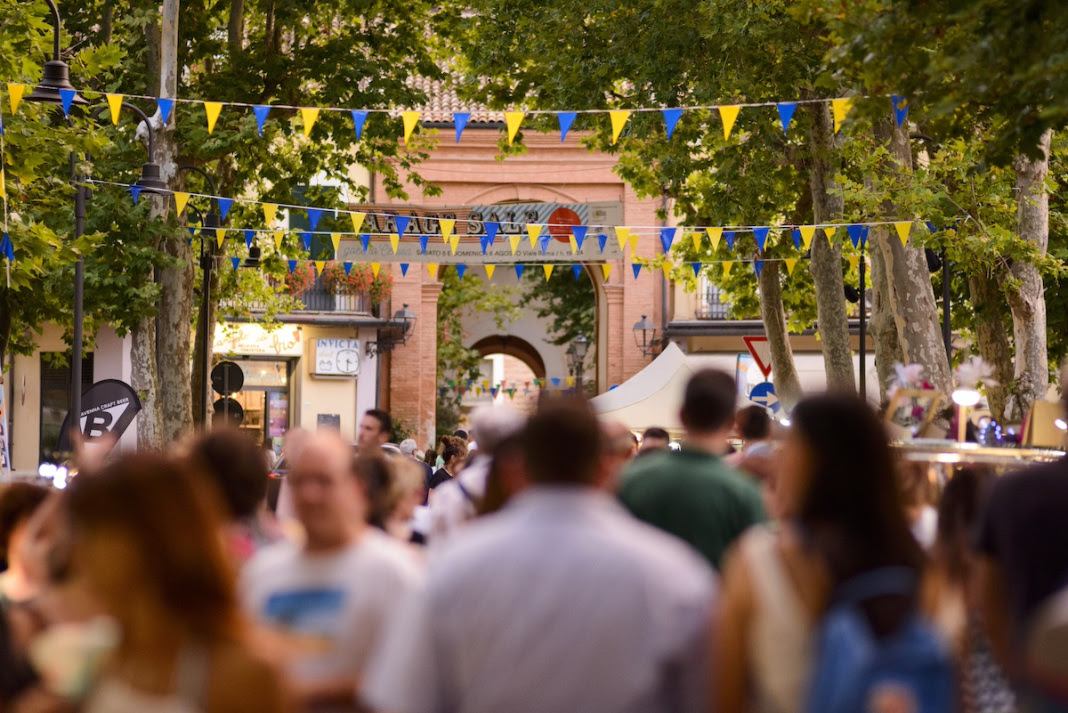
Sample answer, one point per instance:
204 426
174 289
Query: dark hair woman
147 540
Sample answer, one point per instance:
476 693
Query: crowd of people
552 563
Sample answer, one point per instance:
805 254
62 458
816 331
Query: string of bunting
511 388
410 118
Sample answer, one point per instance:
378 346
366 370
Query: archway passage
516 347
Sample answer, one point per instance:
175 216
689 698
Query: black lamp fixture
254 257
395 331
403 320
56 75
576 357
645 336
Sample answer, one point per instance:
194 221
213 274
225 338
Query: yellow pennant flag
411 118
570 382
180 199
829 232
432 268
454 242
14 95
903 228
841 108
622 234
513 242
729 114
606 270
807 233
375 268
335 240
115 105
212 109
667 267
394 242
633 245
278 235
854 260
220 236
534 231
727 267
309 115
446 229
357 221
3 188
619 120
574 245
696 237
319 265
714 235
270 210
489 271
548 271
513 119
791 263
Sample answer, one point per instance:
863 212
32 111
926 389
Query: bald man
331 596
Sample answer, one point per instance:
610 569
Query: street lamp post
645 335
576 356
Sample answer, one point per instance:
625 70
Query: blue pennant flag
165 106
580 234
761 236
901 108
857 233
249 235
786 114
314 214
566 119
358 118
6 248
671 118
667 237
484 242
306 238
728 235
365 240
556 381
135 191
348 267
423 240
491 231
576 270
292 265
192 230
224 207
401 221
544 244
460 270
404 268
931 227
495 390
519 270
261 117
758 265
696 268
189 241
460 119
797 238
1 125
602 240
66 97
236 262
637 267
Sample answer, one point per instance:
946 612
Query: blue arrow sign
764 395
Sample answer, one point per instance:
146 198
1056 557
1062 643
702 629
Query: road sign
227 412
764 395
227 378
761 351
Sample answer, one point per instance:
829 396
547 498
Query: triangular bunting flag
357 221
320 265
667 237
135 191
410 118
841 108
484 244
566 119
695 236
261 113
857 233
696 268
901 108
224 207
544 243
576 271
446 229
786 114
622 234
573 243
512 120
619 120
853 260
376 267
212 110
460 119
903 229
761 236
667 267
791 263
633 240
249 237
404 269
580 234
454 243
359 117
729 237
270 211
602 240
66 98
165 106
347 267
513 242
308 116
365 240
401 223
519 270
714 235
7 249
534 231
306 238
314 214
489 271
671 119
278 235
432 269
394 243
727 267
729 114
335 242
14 95
115 106
491 231
606 270
636 267
796 235
180 199
807 233
460 270
758 266
423 240
235 262
292 265
220 237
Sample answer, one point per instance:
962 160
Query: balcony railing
318 299
710 303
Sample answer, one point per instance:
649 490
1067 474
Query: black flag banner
108 408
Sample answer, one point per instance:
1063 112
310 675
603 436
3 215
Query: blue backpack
910 671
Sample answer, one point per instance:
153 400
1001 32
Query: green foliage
569 303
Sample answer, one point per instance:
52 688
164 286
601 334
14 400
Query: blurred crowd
552 563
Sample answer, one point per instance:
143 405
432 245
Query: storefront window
55 400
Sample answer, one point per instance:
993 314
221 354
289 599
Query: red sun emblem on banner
560 222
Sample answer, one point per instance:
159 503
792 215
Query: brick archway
516 347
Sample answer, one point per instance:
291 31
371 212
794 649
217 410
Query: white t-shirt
335 606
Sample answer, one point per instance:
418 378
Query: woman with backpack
814 616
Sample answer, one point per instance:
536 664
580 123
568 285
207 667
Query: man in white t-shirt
332 597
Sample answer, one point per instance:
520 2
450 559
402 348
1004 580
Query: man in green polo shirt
692 493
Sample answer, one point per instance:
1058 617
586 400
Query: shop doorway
264 398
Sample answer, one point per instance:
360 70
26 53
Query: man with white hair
455 501
408 447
